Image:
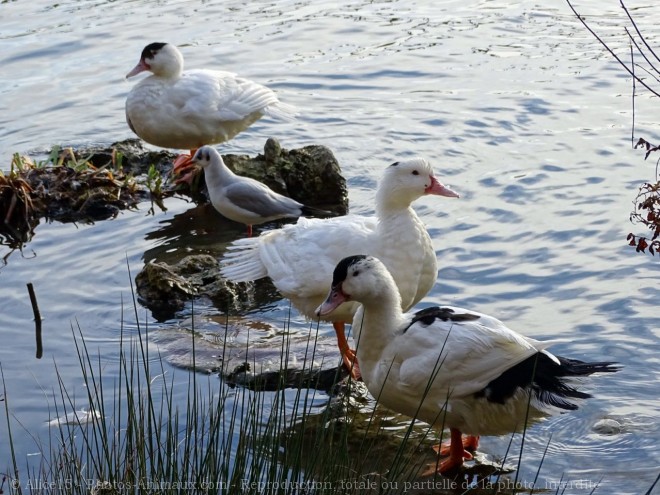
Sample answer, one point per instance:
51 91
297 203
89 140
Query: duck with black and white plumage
452 367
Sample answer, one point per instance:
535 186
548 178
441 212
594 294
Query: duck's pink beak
334 299
140 67
439 189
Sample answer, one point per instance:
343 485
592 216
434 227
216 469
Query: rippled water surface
514 103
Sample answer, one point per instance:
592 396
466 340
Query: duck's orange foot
184 170
469 443
456 449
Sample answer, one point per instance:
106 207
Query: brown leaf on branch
649 147
641 245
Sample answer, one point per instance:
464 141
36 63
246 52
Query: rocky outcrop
92 184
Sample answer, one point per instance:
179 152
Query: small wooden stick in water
37 319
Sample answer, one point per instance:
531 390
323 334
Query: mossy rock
165 289
96 183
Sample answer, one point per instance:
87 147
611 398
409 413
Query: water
514 103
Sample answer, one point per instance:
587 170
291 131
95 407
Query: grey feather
256 198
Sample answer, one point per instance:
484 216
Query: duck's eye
415 172
356 273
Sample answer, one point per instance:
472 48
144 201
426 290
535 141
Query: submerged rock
252 354
165 289
608 426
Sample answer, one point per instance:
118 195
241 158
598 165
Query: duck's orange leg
347 354
183 165
455 450
469 442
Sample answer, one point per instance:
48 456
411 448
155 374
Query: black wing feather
427 316
546 379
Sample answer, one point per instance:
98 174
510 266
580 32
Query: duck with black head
178 109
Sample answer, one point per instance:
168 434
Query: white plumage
450 366
300 258
176 109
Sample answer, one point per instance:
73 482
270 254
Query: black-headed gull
243 199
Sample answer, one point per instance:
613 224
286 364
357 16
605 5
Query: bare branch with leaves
647 203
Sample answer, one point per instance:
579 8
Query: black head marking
203 154
151 50
341 270
428 315
394 164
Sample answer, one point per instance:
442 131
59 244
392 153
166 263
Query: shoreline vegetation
157 429
92 184
149 431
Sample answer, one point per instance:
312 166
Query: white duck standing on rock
300 258
451 367
243 199
173 108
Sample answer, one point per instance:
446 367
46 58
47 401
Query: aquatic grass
58 157
141 438
148 428
155 186
139 434
10 439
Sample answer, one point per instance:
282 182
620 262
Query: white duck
243 199
448 366
300 258
177 109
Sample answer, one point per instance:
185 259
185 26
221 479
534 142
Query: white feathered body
300 258
447 364
196 108
176 109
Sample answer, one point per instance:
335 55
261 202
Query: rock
91 184
252 354
607 426
310 365
165 289
130 156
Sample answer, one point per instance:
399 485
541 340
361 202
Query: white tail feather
282 111
241 262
